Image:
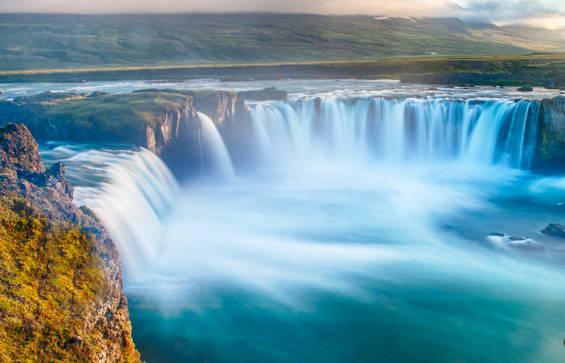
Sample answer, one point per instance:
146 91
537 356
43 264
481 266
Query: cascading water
376 221
133 202
476 131
213 152
304 134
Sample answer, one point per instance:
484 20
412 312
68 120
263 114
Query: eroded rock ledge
551 150
61 295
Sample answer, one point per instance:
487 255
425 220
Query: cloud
509 10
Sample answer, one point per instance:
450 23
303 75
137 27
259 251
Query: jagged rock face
56 179
180 149
19 151
121 118
551 151
85 319
220 106
163 135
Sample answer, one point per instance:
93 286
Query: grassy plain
536 69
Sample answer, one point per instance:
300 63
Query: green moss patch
49 279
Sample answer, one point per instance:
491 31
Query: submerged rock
98 93
554 230
521 242
524 243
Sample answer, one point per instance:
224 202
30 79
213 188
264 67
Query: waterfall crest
475 131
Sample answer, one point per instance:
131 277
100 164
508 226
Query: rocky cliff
148 119
551 149
164 121
61 295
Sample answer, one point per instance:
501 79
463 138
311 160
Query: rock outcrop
154 119
554 230
148 119
220 106
19 153
167 130
551 150
61 296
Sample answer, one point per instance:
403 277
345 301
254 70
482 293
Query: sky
548 13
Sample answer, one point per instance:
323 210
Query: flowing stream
367 229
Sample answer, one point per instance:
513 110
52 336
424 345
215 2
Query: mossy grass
50 278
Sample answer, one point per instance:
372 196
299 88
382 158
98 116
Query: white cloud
510 10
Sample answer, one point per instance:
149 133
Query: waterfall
212 148
476 131
139 191
132 203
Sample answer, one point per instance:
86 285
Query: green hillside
32 41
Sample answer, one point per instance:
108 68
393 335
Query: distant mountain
31 41
537 38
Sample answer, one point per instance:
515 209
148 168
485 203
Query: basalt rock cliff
551 145
61 297
148 119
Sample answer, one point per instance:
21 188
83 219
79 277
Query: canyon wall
163 121
150 118
551 144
